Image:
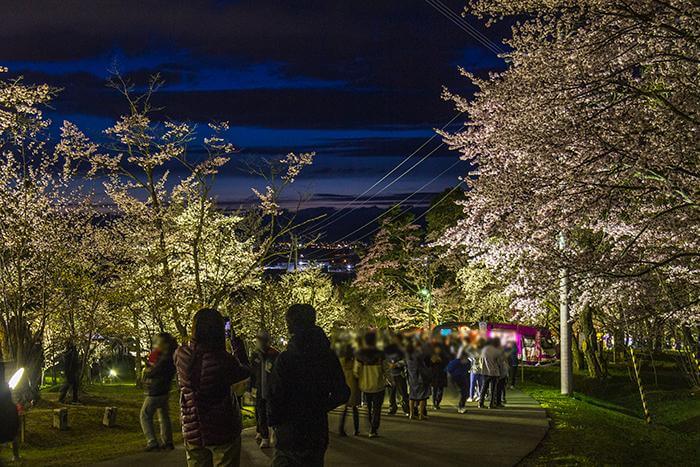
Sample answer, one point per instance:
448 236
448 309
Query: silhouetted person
458 369
347 362
419 375
369 370
71 370
513 362
306 383
157 379
210 416
438 381
238 348
9 425
491 358
262 362
395 357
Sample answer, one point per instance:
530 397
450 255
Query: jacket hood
309 340
370 356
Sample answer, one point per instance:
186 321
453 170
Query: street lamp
14 381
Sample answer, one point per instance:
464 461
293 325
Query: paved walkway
498 437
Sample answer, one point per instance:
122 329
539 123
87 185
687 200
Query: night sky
359 82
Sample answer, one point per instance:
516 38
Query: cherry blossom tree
590 134
398 275
186 253
263 307
69 272
41 209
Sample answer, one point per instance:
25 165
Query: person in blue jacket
458 369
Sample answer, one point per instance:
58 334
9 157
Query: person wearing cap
263 360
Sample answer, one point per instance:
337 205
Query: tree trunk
590 343
24 349
137 360
576 354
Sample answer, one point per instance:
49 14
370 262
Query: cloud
358 82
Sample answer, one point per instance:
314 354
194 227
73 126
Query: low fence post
60 419
109 419
642 393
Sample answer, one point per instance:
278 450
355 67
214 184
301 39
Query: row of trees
586 170
112 241
121 237
406 280
586 164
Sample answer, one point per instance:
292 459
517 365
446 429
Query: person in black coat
262 363
397 371
306 383
71 370
8 414
438 382
157 379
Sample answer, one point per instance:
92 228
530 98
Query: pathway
498 437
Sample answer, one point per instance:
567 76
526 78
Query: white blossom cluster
592 132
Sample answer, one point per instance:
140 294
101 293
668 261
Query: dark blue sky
357 82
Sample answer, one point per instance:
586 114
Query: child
459 371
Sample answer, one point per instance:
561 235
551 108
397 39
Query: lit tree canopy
590 133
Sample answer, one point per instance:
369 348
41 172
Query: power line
359 229
445 11
459 21
419 217
325 223
420 161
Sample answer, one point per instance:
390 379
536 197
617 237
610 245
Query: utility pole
567 371
293 252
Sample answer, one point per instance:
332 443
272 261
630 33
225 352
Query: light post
567 371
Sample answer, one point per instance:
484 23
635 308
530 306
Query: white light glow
15 378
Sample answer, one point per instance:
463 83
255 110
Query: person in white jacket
491 357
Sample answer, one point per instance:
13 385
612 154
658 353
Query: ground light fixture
113 373
15 378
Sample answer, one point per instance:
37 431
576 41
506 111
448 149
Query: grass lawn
603 425
87 440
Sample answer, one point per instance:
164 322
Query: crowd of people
416 368
295 388
294 391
